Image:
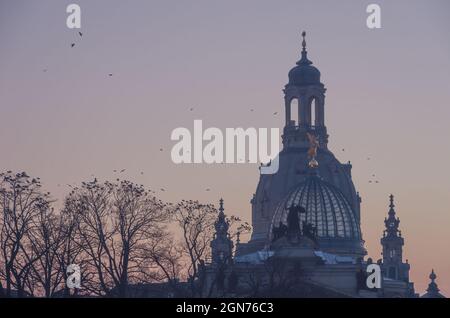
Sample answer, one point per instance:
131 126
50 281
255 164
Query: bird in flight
276 113
160 149
162 189
81 34
110 74
122 170
72 45
191 109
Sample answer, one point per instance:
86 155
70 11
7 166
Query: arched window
295 105
313 111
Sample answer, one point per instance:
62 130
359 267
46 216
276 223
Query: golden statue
312 151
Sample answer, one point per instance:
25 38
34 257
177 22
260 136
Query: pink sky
388 99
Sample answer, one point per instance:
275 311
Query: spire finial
221 245
221 205
304 60
433 288
304 40
391 222
432 276
221 223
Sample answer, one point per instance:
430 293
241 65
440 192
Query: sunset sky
64 119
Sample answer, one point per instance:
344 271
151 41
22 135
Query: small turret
392 242
432 290
221 245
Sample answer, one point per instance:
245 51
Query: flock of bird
73 44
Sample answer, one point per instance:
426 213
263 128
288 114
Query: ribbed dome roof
326 209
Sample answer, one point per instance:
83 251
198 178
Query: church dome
304 73
325 208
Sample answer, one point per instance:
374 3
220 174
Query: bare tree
237 227
46 238
21 202
116 232
117 221
196 222
71 251
167 261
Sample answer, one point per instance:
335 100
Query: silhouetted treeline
119 234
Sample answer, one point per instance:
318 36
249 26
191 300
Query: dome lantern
304 98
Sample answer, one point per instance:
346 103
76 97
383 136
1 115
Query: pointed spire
304 41
391 205
391 199
391 222
221 206
221 245
304 60
221 223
